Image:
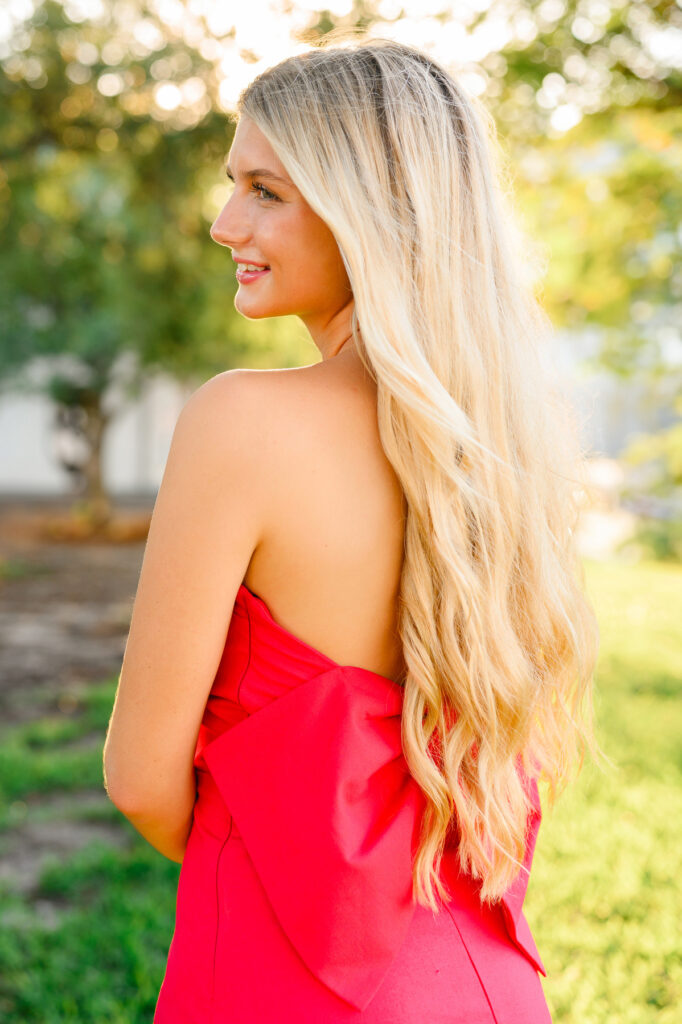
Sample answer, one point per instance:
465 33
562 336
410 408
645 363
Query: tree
103 232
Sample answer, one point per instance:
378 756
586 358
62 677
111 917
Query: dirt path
64 609
64 616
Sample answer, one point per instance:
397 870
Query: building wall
135 447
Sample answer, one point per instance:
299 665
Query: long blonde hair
499 639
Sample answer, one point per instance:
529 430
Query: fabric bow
329 813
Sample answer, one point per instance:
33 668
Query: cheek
330 259
304 253
313 278
336 276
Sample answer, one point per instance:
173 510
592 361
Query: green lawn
604 896
603 902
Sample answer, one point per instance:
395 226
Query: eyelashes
261 189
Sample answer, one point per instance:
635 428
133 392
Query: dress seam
217 923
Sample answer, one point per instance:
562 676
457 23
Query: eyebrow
257 172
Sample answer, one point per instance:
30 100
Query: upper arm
207 522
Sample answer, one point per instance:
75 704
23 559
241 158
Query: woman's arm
167 828
206 524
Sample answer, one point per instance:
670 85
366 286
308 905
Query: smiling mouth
247 276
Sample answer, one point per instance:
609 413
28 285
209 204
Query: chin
256 309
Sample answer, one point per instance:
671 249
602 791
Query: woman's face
267 220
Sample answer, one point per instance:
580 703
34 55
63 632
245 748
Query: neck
344 346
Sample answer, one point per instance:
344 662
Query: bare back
329 564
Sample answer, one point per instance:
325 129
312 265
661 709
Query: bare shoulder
251 391
228 396
293 432
250 420
254 405
236 412
326 502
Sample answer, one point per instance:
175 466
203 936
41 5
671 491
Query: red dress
294 899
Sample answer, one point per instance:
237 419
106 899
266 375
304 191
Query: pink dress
294 899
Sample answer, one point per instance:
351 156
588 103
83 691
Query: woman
349 776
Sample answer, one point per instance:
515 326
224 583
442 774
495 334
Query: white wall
26 462
135 447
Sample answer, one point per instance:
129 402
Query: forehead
250 148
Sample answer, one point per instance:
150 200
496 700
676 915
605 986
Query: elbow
115 793
128 802
119 791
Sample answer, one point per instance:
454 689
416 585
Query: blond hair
499 639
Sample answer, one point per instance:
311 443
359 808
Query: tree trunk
97 501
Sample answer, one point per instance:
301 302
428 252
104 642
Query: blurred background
115 305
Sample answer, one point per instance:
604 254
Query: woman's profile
360 637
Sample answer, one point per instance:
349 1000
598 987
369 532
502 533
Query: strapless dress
294 901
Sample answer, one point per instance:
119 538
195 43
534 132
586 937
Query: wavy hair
499 639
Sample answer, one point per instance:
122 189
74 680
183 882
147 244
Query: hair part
499 638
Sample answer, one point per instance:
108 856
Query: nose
218 228
226 230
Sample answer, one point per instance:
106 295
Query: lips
245 276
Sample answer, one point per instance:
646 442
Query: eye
264 192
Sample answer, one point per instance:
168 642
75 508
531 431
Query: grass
603 900
16 568
99 954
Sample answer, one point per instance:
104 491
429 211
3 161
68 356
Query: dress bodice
261 661
301 759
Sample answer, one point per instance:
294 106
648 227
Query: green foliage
102 239
599 58
660 539
107 269
606 199
663 449
105 246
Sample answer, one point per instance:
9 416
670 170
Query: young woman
360 635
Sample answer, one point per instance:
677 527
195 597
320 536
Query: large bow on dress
329 814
